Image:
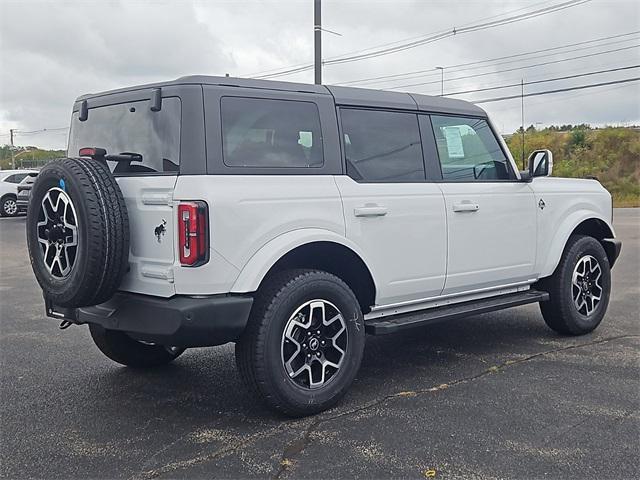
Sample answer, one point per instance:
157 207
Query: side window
270 133
15 178
382 146
18 177
468 150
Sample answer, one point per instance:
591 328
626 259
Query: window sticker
305 139
453 137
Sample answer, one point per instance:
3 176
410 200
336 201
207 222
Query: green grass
610 154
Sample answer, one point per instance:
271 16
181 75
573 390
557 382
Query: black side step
397 323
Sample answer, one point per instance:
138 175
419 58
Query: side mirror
540 163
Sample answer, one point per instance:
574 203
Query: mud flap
64 314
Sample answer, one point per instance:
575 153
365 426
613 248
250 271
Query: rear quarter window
270 133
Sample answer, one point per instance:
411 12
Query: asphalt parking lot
493 396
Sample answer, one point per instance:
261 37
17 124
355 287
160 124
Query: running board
397 323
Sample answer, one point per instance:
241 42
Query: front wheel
579 289
123 349
303 344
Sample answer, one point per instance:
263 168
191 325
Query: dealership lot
492 396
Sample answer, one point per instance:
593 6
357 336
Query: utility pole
524 166
441 80
317 42
13 159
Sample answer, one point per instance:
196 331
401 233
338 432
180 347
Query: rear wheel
9 207
579 289
121 348
303 344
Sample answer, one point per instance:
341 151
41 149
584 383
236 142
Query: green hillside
611 154
29 157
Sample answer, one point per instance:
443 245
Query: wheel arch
9 194
582 223
318 249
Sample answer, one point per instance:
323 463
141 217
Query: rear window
134 128
270 133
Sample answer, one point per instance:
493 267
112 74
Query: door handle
466 206
370 210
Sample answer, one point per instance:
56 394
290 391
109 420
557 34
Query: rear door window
134 128
382 146
469 150
270 133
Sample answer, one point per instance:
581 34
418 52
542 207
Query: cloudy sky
53 51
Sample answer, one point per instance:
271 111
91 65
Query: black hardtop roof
349 96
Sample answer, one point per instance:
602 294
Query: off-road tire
560 312
5 206
121 348
103 232
258 351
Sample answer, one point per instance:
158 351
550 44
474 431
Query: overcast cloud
53 51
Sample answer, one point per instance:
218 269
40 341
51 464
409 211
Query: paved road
492 396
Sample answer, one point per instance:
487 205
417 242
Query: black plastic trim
612 246
180 321
396 323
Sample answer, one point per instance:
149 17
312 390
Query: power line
430 71
306 66
559 90
430 38
42 130
459 31
567 77
521 67
566 97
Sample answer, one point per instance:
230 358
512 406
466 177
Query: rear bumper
180 321
22 205
612 247
22 200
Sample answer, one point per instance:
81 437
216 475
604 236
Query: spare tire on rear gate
77 232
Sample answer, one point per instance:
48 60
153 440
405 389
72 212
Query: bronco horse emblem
161 230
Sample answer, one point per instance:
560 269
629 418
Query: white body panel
420 248
567 203
249 212
405 240
492 234
149 203
10 187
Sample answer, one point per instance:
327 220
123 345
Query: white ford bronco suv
294 219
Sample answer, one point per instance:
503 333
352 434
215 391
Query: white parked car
9 180
292 219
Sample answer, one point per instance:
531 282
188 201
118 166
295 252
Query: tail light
193 233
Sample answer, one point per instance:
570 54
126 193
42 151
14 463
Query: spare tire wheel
77 232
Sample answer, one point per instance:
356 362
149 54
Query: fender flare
266 257
8 194
563 232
